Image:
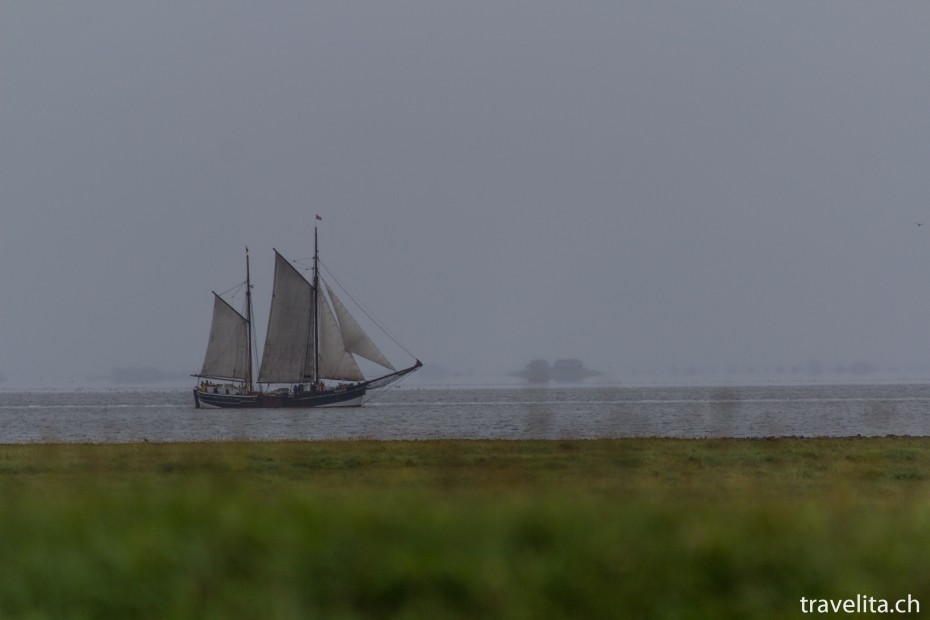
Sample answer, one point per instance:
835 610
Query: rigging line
305 263
362 308
235 288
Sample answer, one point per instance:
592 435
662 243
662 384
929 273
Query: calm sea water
479 413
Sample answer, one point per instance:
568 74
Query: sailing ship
309 353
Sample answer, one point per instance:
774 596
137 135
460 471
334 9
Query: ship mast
316 305
248 311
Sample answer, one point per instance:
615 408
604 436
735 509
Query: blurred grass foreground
631 528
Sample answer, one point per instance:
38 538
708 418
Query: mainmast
248 313
316 304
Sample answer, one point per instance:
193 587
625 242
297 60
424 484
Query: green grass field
461 529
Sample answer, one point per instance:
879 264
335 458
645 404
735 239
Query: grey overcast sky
640 184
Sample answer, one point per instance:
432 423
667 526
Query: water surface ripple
479 413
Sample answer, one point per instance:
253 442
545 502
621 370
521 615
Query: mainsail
288 355
228 350
294 347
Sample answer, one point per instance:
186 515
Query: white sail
228 350
288 346
354 337
335 361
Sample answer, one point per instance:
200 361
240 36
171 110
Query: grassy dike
640 528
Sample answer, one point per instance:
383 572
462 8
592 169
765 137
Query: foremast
229 356
248 316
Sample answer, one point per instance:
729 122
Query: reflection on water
479 413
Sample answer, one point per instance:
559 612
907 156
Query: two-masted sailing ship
309 353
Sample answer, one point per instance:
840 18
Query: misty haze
667 192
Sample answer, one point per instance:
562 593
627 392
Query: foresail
353 336
288 346
335 361
227 354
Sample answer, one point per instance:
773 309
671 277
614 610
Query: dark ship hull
229 396
222 398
